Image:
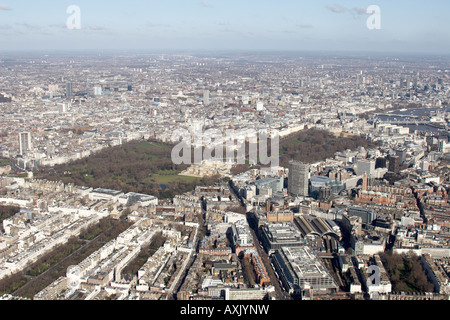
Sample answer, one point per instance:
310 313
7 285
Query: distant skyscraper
401 153
205 97
365 166
324 193
300 83
380 162
69 90
53 88
62 107
97 91
367 215
298 179
130 88
394 164
24 142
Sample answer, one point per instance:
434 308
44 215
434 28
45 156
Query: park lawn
169 178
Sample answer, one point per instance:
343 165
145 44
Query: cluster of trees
7 212
54 264
406 272
249 270
239 168
11 283
4 99
126 167
50 259
33 279
313 145
106 226
133 266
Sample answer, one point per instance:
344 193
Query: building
394 164
367 215
241 236
206 97
262 277
300 269
244 293
435 274
62 108
365 166
276 235
138 198
318 182
315 227
401 153
298 178
25 144
280 216
275 184
380 162
372 286
69 90
97 91
105 194
324 193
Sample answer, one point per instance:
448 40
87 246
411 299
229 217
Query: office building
401 153
69 90
298 178
97 91
394 164
206 97
62 108
25 142
367 215
381 162
301 83
276 235
275 184
365 166
318 182
300 269
324 193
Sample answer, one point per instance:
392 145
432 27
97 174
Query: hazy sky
415 26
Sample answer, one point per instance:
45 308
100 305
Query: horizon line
221 51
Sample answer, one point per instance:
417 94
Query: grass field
168 177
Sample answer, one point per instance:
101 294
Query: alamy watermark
374 20
74 20
243 146
73 276
375 277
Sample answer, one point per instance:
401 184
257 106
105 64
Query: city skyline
410 27
94 205
135 140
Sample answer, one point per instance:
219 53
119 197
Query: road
280 293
